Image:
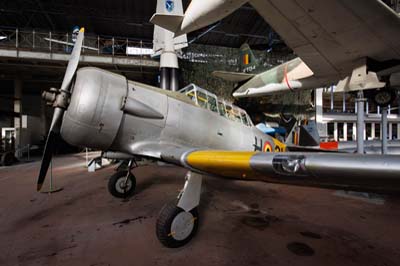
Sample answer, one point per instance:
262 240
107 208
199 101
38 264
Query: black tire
115 184
7 158
164 225
389 95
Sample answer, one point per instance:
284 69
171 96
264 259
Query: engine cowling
94 114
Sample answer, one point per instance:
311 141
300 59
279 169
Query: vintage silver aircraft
194 129
355 44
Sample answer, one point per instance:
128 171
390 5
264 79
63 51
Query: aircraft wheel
116 184
176 227
383 97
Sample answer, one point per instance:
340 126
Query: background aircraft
196 130
337 41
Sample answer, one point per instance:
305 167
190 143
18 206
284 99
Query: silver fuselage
97 118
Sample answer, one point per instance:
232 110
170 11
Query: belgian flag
246 59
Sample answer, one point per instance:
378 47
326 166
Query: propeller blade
73 61
47 155
59 112
50 145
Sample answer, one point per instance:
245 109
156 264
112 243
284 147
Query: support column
335 131
373 131
344 102
384 129
345 131
360 122
174 82
18 110
164 78
390 131
398 130
319 112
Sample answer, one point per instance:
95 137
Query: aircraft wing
70 44
332 36
232 76
378 173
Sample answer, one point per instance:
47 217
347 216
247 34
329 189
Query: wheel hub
121 187
182 226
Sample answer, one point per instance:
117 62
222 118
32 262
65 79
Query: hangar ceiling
127 18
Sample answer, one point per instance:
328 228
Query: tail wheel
119 186
176 227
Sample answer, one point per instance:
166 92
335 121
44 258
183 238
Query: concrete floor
241 223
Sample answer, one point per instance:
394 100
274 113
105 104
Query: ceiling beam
47 16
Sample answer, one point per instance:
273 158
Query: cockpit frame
210 101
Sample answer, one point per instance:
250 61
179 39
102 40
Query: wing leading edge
233 76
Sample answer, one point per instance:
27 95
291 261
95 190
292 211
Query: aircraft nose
94 114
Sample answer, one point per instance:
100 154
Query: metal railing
56 42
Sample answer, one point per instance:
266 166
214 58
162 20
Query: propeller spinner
60 101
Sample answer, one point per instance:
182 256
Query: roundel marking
267 147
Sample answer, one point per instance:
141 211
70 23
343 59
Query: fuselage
289 76
107 112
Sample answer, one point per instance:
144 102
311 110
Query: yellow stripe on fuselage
223 163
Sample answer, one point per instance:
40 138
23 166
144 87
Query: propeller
60 101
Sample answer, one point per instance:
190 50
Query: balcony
31 45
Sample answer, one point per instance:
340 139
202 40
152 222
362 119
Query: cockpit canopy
210 101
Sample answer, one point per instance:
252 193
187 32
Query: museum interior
209 132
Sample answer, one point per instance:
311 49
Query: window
331 129
202 99
229 112
244 118
212 103
232 113
368 130
236 114
221 108
192 95
349 131
340 131
394 131
208 100
377 131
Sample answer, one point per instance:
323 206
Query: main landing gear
122 184
177 223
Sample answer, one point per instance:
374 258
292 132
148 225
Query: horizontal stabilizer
169 22
233 76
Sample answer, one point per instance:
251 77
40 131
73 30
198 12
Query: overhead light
3 38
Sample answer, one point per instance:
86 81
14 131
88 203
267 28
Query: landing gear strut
178 223
122 184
